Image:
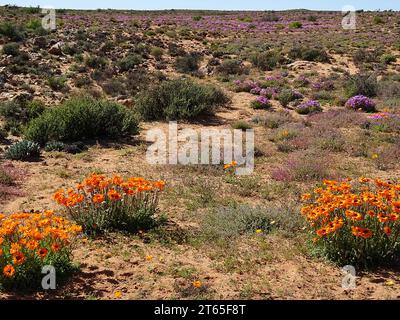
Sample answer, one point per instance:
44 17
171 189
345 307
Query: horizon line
198 9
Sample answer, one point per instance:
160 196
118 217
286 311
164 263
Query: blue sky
211 4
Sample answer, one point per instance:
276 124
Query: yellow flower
390 283
259 231
375 156
149 257
118 294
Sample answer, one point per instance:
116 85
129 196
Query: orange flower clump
344 215
25 237
98 201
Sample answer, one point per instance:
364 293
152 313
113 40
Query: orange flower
15 247
55 247
42 252
18 258
322 232
32 244
197 284
98 198
387 230
8 271
306 196
113 195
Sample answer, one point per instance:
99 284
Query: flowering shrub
355 223
307 107
100 203
29 241
261 103
361 102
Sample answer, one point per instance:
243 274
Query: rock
56 49
41 42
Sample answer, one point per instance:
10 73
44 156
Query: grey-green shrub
23 150
80 118
179 99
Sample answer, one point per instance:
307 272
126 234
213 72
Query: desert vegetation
77 191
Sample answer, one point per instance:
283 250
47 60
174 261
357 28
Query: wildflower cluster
261 103
100 203
355 222
307 107
29 241
361 102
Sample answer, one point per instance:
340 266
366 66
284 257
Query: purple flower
262 100
361 102
309 106
255 90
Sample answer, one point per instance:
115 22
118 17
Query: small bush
362 84
57 83
231 67
14 33
157 53
266 61
361 103
80 118
11 48
129 62
189 63
308 107
96 62
23 150
388 59
19 112
25 253
54 146
295 25
261 103
228 223
274 120
309 54
241 125
362 227
101 204
288 95
179 99
303 167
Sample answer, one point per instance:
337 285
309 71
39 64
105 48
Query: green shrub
179 99
309 54
231 67
388 58
378 20
241 125
80 118
54 146
57 83
286 96
189 63
11 48
295 25
18 113
23 150
11 31
362 84
129 62
157 53
96 62
266 61
229 223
